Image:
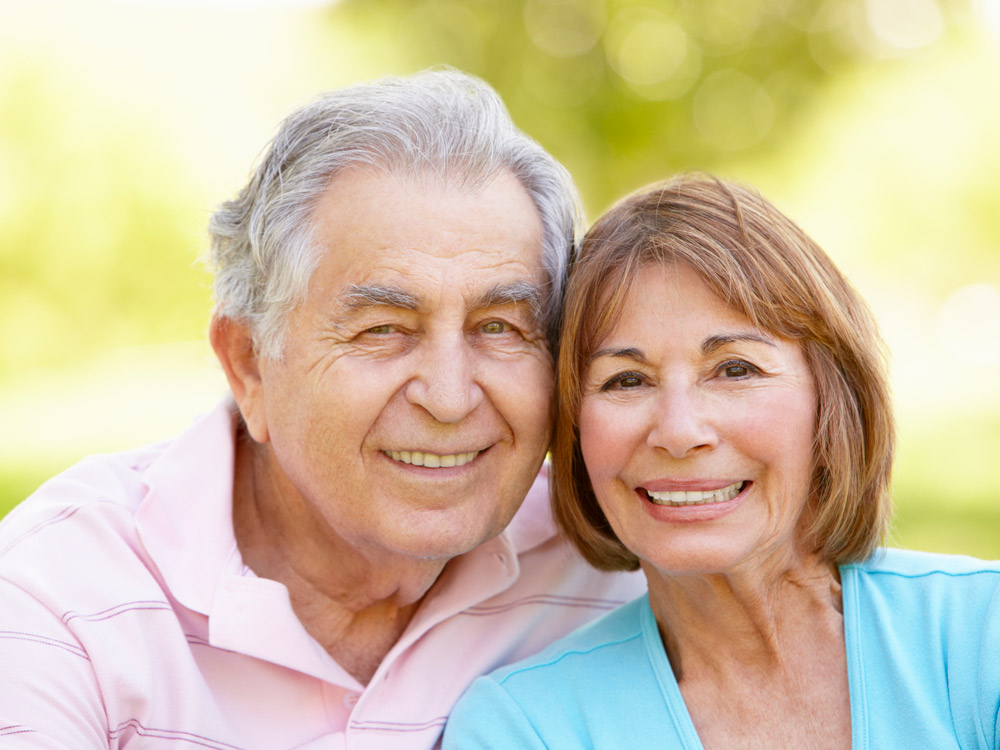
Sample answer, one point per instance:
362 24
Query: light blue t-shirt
922 634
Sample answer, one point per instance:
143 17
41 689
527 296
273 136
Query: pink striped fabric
128 620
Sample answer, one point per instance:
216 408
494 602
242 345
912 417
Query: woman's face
696 429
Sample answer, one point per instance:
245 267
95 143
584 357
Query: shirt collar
533 524
185 521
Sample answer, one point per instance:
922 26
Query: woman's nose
682 422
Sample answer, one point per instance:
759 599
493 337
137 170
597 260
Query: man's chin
443 544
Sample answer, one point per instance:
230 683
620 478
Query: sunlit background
874 123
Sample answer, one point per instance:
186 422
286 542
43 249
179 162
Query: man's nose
683 422
444 381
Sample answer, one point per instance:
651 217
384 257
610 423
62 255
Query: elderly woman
725 425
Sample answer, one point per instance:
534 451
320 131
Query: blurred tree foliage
99 228
625 92
96 244
871 121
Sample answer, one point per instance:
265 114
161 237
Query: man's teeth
431 460
695 498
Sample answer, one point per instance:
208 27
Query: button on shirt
128 619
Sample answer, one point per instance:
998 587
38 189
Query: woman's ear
234 348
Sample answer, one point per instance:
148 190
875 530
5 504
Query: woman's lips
685 497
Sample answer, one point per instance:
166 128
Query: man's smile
432 460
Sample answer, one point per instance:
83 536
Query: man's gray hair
441 123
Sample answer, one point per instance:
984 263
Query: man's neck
356 606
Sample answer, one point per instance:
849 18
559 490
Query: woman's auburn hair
766 268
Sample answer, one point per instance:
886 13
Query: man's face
410 411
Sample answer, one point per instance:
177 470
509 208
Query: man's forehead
430 245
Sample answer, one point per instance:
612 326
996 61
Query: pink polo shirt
128 619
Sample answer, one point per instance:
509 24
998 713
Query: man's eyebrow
371 295
712 343
629 352
512 293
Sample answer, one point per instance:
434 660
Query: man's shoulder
84 512
70 554
99 486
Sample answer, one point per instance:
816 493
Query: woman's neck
760 649
755 619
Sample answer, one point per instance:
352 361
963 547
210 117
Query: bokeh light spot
652 54
451 26
905 24
834 37
726 28
732 110
564 28
562 82
968 325
988 11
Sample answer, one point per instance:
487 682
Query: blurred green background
871 122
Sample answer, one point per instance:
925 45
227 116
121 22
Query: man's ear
233 346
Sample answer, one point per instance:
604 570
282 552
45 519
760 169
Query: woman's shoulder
574 693
914 564
598 639
907 584
920 598
920 631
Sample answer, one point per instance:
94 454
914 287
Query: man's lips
431 460
684 497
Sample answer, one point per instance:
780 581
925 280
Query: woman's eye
494 326
736 370
624 381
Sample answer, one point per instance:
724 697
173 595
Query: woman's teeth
431 460
695 498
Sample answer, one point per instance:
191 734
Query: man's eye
382 329
494 326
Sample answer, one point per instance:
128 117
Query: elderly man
332 555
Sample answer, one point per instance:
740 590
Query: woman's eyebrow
629 352
712 343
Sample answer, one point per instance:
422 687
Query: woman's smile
696 429
681 497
